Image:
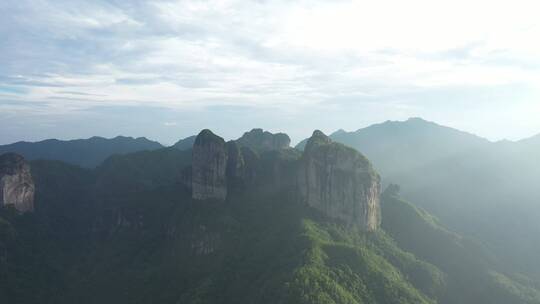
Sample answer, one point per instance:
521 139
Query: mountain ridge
88 152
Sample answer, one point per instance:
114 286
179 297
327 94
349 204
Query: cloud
12 90
288 57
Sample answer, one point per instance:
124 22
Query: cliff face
340 182
209 167
328 176
235 161
219 167
258 140
16 184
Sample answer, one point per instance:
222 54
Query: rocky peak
258 140
340 182
207 137
16 185
317 138
209 167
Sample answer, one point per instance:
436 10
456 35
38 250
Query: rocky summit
258 140
16 184
340 182
209 167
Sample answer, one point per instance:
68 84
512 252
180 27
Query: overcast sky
166 69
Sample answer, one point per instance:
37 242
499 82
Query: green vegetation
128 232
473 273
252 249
344 268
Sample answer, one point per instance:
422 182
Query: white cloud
292 56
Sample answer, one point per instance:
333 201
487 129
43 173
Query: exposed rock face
236 168
258 140
340 182
16 184
251 162
333 178
209 167
219 168
235 162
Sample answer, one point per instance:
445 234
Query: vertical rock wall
209 167
331 177
340 182
16 185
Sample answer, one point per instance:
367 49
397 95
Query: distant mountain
533 142
185 143
338 132
81 152
398 146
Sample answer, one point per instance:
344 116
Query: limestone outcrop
209 167
328 176
16 185
260 140
340 182
219 167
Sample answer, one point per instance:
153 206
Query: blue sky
166 69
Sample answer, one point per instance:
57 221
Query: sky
167 69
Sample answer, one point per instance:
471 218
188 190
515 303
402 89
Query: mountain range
81 152
254 220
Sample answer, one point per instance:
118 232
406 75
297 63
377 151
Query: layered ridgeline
82 152
237 222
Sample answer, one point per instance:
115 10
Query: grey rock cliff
209 167
340 182
258 140
16 185
251 161
235 161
